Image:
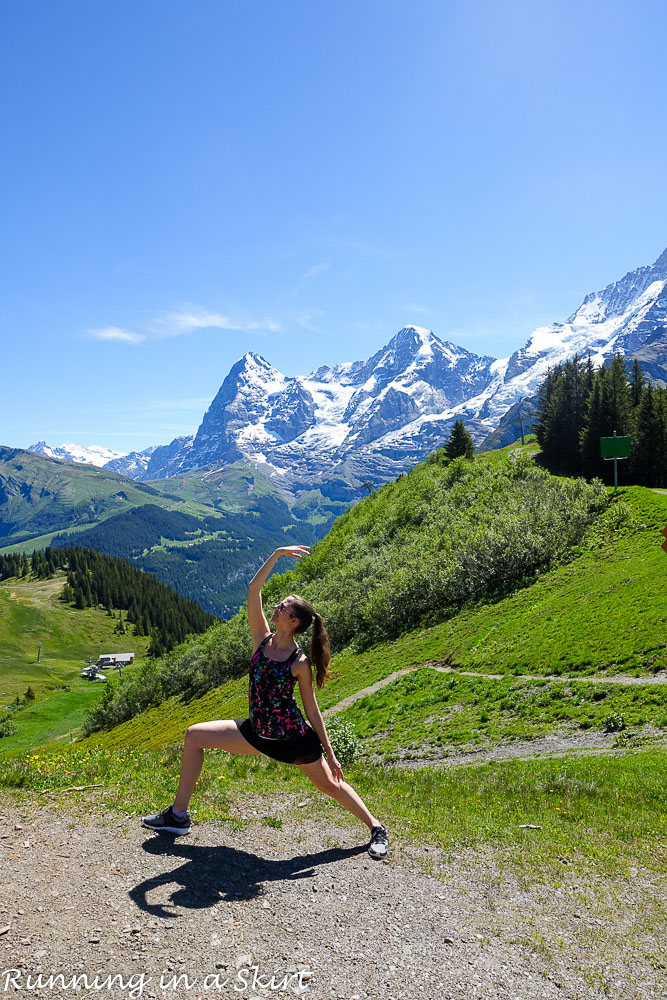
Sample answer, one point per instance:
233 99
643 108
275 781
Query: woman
276 726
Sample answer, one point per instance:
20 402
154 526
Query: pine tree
592 431
646 440
544 394
636 384
563 421
459 444
619 406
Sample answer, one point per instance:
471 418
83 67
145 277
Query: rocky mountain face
365 420
371 420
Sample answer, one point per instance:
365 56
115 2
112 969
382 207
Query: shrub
614 723
344 740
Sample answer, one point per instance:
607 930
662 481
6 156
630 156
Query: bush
614 723
344 740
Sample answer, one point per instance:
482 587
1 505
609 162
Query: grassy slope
30 612
603 611
598 813
67 497
424 712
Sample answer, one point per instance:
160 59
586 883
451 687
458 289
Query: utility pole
39 650
523 440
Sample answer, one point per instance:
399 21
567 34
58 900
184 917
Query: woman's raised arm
259 626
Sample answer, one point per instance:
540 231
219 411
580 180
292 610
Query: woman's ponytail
319 653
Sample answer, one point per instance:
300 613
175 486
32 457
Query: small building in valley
115 659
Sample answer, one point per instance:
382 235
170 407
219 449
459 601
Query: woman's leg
223 735
320 774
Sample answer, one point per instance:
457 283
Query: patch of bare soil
303 911
558 744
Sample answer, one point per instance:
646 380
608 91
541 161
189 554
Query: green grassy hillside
201 533
600 613
31 613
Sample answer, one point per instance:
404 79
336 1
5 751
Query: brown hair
319 652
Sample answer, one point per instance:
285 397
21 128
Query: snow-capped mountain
370 420
70 452
132 465
304 427
629 316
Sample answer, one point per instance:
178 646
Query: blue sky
183 183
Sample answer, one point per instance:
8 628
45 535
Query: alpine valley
307 446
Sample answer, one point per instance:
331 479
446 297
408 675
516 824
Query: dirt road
302 911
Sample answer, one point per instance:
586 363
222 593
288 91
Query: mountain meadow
200 534
482 612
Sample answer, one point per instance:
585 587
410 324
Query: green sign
616 447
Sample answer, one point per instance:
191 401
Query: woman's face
282 613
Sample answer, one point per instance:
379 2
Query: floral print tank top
274 714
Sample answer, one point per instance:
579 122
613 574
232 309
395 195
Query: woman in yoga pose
276 726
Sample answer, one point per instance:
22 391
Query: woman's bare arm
259 626
304 674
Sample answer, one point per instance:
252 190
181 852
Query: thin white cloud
116 333
190 318
312 272
186 320
417 309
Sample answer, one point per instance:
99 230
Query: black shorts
303 750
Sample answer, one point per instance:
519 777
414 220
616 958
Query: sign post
39 650
613 448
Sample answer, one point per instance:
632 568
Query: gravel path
304 909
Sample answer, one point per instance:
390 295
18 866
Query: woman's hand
293 550
334 765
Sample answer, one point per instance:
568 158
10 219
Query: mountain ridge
371 420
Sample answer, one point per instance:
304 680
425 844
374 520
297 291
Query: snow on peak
94 454
420 331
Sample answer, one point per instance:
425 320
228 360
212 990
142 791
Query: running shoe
379 844
167 822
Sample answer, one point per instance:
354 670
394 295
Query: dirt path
344 703
558 744
304 908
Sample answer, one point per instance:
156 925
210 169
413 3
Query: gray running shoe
379 844
167 822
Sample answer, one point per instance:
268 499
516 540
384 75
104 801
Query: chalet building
115 659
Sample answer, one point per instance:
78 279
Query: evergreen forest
97 580
204 559
578 404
